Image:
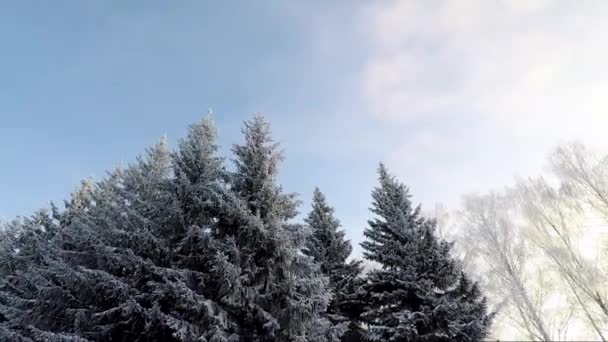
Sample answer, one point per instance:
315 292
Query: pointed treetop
388 181
195 158
396 222
258 135
163 141
202 132
157 156
382 171
321 218
84 190
414 262
257 162
149 168
82 198
318 196
327 243
197 166
319 202
391 195
258 149
328 246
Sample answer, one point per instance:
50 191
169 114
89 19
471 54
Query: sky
454 96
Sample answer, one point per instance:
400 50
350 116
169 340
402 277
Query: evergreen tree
419 294
199 173
204 194
120 277
176 248
112 271
25 258
328 246
285 292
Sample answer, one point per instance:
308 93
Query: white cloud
523 74
512 60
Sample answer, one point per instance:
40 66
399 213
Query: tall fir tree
419 293
204 194
200 175
113 270
25 263
328 246
285 292
176 248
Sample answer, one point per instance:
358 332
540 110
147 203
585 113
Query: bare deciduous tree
583 173
557 215
529 245
494 243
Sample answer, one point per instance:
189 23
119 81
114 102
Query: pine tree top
322 215
259 155
392 199
257 162
327 243
399 237
196 158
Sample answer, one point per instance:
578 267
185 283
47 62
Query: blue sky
454 96
89 84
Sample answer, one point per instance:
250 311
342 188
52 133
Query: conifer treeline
175 247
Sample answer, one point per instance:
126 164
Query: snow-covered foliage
174 247
284 287
328 246
419 293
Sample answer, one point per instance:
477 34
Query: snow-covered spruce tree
153 242
26 260
114 271
327 245
200 174
41 289
114 260
419 293
202 189
117 251
285 293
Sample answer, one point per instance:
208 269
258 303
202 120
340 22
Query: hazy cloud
514 76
